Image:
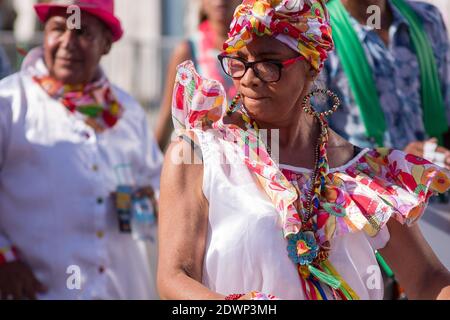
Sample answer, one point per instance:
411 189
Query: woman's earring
308 108
234 104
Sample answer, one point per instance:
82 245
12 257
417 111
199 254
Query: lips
66 59
255 98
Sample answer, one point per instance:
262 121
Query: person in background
7 15
66 133
7 18
202 48
5 66
444 7
387 99
393 79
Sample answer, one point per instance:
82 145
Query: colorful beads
304 271
307 107
234 104
322 255
234 296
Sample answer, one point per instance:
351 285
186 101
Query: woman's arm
415 265
183 225
164 123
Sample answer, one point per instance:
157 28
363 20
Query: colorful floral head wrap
303 25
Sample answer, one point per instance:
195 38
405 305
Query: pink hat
102 9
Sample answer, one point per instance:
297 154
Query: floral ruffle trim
197 103
381 184
200 104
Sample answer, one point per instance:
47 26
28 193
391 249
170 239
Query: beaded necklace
320 145
303 248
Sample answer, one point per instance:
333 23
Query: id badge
123 204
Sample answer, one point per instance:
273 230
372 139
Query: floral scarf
95 101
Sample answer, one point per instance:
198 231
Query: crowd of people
296 148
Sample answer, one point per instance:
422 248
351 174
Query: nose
250 79
69 39
221 2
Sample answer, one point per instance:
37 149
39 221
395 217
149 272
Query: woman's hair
202 16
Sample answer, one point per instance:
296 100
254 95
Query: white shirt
245 247
56 177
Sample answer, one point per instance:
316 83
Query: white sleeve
5 128
380 240
5 131
149 170
153 158
5 243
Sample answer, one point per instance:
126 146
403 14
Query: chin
68 77
257 104
264 115
264 111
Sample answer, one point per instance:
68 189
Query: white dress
246 250
253 203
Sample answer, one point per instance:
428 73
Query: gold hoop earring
308 108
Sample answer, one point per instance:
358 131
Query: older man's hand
17 281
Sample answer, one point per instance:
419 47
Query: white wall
133 63
24 27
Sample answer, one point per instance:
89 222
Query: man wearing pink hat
65 131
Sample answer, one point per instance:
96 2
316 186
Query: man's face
220 10
73 56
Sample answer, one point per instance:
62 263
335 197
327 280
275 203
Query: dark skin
17 281
72 57
219 14
358 10
184 209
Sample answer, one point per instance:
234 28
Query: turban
303 25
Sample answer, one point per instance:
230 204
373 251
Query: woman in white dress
236 223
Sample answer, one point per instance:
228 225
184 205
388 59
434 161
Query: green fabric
359 73
432 101
384 265
324 277
92 111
